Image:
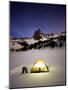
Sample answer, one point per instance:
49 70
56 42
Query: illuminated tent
39 66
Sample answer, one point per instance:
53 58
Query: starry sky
25 18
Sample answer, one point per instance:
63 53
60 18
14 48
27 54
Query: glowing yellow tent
39 66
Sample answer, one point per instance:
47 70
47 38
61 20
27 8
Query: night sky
25 18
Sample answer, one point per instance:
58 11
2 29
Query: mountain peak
38 34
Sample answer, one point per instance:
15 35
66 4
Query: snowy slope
54 58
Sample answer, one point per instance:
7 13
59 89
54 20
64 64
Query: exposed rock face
39 40
38 35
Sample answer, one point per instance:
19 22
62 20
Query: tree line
52 42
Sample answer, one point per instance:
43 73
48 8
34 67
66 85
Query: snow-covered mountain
38 38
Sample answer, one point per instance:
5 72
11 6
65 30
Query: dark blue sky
25 18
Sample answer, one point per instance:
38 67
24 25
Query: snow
54 36
16 46
54 58
31 41
43 39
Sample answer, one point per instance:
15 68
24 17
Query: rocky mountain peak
38 34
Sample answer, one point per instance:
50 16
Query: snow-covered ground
53 57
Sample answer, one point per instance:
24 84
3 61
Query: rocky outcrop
38 35
39 40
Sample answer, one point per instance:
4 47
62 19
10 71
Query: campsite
54 58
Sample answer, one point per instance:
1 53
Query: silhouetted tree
25 46
52 43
